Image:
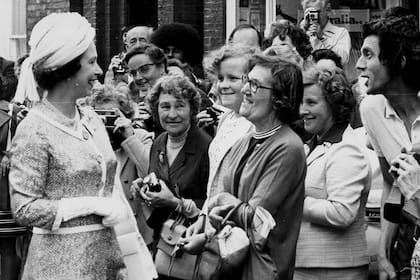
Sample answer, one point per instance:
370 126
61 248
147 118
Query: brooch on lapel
161 157
85 134
327 145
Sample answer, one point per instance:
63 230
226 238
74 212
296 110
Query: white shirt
334 38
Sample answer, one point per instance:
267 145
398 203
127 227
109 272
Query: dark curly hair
182 36
319 54
298 37
178 86
399 44
336 90
155 54
288 87
48 78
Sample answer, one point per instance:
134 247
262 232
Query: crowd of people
138 176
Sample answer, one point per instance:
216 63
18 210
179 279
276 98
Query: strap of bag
225 220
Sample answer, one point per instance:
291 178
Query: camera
120 69
153 183
109 117
313 17
214 113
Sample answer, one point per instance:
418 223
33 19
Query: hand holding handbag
170 259
225 252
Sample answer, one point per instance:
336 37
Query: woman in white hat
62 165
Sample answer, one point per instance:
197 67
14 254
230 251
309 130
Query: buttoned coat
336 188
50 161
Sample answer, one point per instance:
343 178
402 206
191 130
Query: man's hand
386 269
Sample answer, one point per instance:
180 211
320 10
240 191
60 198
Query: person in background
145 64
246 34
10 233
182 42
264 172
131 146
62 173
322 33
8 78
179 156
286 33
326 60
390 113
132 37
332 241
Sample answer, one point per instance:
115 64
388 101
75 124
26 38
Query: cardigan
273 178
336 188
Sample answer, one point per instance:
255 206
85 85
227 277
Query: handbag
170 259
224 253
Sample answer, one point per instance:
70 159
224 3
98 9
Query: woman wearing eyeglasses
265 170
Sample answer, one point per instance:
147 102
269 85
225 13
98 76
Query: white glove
111 208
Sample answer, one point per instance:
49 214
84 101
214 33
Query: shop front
350 14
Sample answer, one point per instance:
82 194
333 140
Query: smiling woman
179 155
62 165
332 241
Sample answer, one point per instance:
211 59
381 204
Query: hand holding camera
155 192
208 117
311 22
405 170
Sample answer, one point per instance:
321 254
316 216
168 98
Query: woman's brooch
161 157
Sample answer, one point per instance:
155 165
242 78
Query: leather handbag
170 259
225 253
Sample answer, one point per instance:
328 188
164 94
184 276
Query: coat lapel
319 151
189 149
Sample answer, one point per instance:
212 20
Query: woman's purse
170 259
225 253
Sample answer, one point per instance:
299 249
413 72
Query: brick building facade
108 17
212 18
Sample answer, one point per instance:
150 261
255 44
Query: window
18 35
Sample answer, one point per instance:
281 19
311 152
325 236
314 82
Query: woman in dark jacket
179 155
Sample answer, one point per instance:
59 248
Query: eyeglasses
253 84
134 41
144 69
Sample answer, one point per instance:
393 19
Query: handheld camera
108 117
313 17
153 183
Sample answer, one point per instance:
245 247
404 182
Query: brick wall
165 12
214 27
37 9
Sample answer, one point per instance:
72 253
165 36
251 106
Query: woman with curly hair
332 242
178 156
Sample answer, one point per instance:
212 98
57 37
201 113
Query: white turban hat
55 40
